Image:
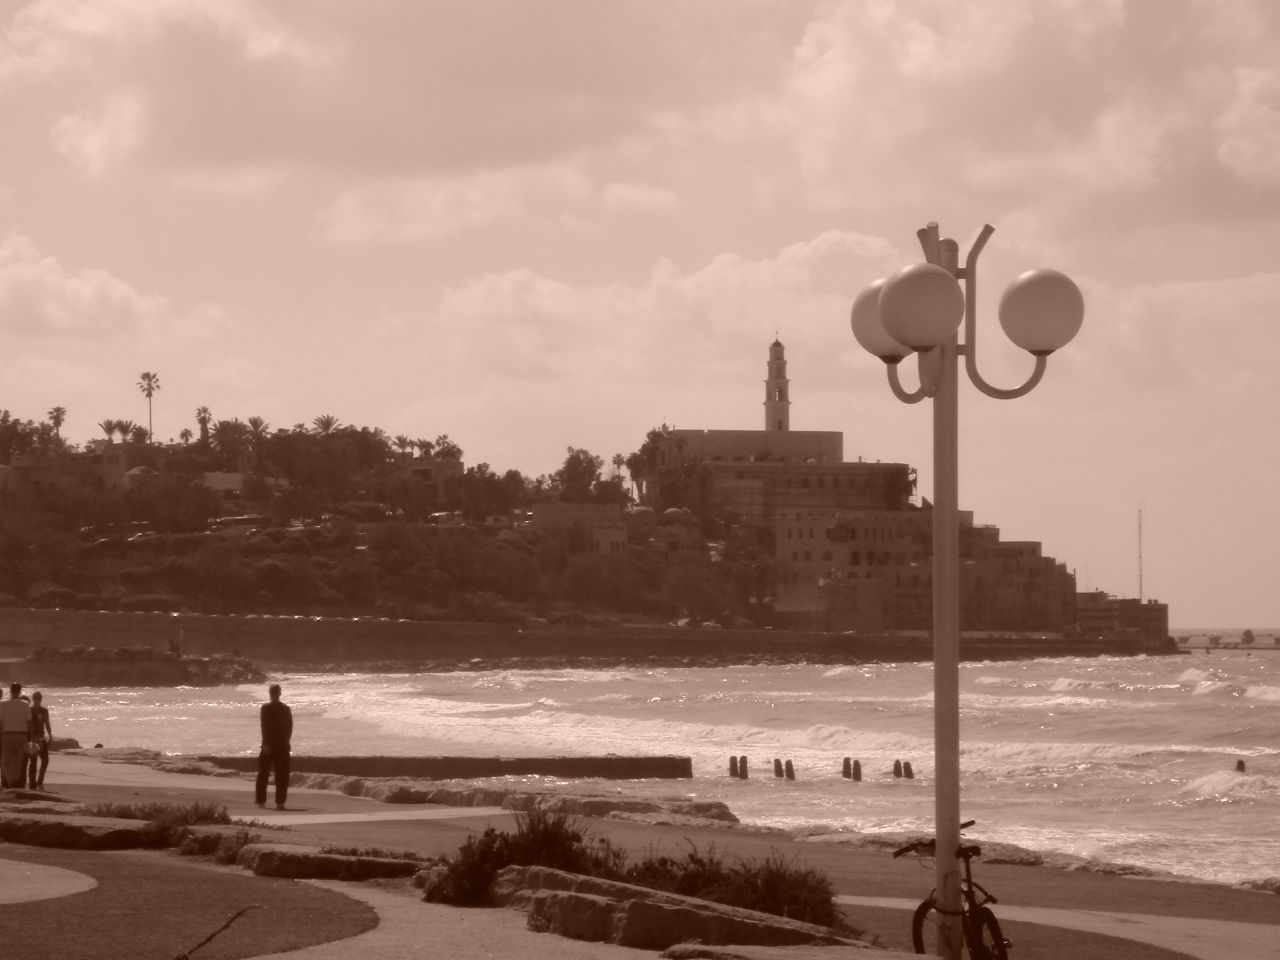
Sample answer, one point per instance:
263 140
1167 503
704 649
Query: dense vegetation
342 529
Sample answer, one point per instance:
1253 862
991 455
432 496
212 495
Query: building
1100 614
852 549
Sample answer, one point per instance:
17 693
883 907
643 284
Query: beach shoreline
1046 912
619 806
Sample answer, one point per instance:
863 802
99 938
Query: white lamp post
919 310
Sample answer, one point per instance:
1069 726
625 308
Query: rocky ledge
133 667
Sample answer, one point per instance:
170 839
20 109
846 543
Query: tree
204 418
57 417
126 428
445 449
109 428
149 383
138 434
185 435
325 424
403 443
578 476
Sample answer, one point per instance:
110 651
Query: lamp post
919 310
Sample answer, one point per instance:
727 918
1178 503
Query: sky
559 223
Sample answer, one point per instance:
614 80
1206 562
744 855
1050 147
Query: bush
541 838
774 885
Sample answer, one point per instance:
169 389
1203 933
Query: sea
1170 763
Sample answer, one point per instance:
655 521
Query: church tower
777 403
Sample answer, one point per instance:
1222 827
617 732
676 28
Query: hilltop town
714 528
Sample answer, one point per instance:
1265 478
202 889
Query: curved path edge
1195 937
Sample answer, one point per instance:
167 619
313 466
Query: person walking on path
40 734
277 731
15 718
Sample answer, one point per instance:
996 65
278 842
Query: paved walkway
1203 939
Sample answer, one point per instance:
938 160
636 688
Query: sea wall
467 768
333 643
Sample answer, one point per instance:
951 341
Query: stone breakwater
470 768
374 644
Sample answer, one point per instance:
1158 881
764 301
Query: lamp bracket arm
895 384
999 393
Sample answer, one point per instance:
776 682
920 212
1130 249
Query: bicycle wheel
982 932
921 925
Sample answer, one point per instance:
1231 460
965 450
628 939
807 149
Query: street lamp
919 310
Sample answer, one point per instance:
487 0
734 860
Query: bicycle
979 926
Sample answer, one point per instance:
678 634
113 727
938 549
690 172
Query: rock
431 881
300 862
578 916
571 904
75 832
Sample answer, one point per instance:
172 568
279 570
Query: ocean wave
1270 694
1230 785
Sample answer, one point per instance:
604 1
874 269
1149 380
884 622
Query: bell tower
777 402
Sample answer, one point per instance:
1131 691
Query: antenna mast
1139 553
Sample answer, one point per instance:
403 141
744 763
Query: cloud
41 298
405 210
95 143
621 197
1249 128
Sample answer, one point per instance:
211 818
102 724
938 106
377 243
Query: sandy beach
1047 912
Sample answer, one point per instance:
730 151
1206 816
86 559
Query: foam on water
1118 758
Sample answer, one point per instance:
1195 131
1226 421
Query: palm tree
403 443
126 428
149 383
204 418
185 435
325 424
109 428
57 417
425 447
139 434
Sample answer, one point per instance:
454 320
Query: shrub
774 885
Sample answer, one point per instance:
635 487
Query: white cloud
621 197
432 208
1249 128
42 297
96 143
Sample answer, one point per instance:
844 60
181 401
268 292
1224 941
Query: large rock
299 862
75 832
589 908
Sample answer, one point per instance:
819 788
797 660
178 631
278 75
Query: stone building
852 549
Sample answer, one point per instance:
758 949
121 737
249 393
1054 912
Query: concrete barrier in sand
468 768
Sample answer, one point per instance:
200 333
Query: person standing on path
15 717
41 734
277 732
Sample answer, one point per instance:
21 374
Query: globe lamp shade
869 331
921 306
1041 311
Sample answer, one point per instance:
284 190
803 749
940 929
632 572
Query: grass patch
166 822
222 847
774 885
374 852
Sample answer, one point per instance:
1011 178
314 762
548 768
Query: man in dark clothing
277 731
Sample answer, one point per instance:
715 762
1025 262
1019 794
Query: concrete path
1203 939
23 882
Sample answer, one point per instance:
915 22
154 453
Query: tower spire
777 399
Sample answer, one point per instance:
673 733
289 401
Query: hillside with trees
335 519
